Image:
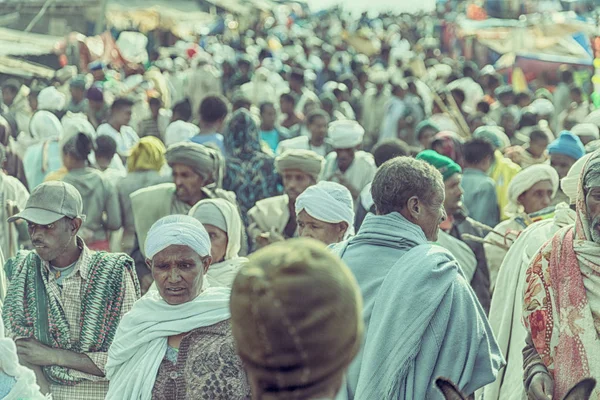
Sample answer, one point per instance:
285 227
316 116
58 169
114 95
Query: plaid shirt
69 296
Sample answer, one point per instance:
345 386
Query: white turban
176 230
328 202
542 107
346 134
180 131
525 179
44 125
51 99
570 183
586 129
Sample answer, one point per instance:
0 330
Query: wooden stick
477 239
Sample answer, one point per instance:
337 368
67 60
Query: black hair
120 103
521 96
213 109
288 97
79 146
314 114
184 109
297 74
483 106
389 149
155 101
477 150
106 147
576 90
538 134
566 74
458 93
263 106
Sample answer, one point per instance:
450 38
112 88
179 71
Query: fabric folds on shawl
141 340
440 330
561 302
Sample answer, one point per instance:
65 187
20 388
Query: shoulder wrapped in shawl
30 312
559 311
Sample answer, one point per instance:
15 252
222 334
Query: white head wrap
233 222
51 99
180 131
542 107
570 183
586 129
328 202
346 134
177 230
525 179
44 125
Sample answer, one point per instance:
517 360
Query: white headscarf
586 129
232 220
51 99
44 126
570 183
328 202
74 123
180 131
177 230
525 179
346 134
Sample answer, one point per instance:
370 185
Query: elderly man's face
178 272
562 164
218 242
432 214
592 202
295 182
538 197
322 231
187 183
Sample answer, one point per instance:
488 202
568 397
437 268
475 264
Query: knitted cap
296 319
444 164
567 144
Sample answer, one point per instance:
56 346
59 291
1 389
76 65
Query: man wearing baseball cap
65 301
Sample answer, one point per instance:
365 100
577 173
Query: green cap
50 202
445 165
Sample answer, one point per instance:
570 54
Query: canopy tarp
19 43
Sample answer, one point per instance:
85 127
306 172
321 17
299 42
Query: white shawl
140 343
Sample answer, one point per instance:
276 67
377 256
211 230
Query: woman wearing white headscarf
16 381
43 155
223 223
176 342
529 192
325 212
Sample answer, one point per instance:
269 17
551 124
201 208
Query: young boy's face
538 147
102 163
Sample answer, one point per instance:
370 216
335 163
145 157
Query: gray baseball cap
50 202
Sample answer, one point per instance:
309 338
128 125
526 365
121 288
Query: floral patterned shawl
561 306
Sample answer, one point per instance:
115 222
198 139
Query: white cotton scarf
140 343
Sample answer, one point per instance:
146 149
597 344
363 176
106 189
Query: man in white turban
530 192
348 165
51 99
274 219
162 345
586 132
507 302
325 212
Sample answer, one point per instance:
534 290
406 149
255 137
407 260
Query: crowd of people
279 215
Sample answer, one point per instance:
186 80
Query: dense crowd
321 208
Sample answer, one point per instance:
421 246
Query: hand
33 352
275 236
541 387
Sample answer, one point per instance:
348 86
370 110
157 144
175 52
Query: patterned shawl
561 307
30 312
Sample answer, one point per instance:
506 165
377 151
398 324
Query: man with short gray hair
422 319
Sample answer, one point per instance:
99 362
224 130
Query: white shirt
395 110
125 139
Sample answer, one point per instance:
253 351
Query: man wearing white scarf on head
325 212
163 345
507 303
348 165
222 221
530 191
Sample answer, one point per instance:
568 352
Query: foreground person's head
178 253
296 320
414 189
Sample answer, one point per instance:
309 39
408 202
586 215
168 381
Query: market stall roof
24 69
19 43
180 23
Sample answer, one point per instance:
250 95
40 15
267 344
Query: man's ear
149 263
206 263
413 206
76 225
